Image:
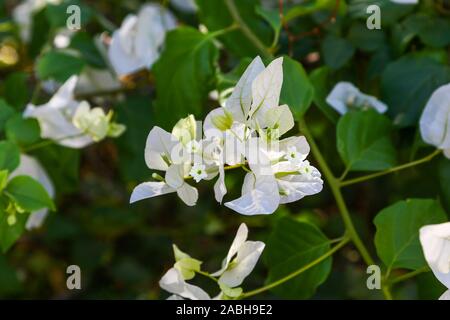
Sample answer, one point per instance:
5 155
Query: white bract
23 15
435 120
137 44
72 123
241 259
31 167
345 96
245 133
435 240
239 263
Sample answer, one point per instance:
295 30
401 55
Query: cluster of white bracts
238 264
246 132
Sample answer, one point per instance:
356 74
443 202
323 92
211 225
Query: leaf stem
391 170
334 184
207 275
409 275
342 243
234 12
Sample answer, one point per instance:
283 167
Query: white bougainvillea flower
345 96
187 6
241 259
173 282
137 44
31 167
435 120
23 15
435 240
55 117
198 172
71 123
160 147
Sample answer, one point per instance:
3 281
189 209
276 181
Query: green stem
391 170
342 243
334 184
221 32
207 275
387 292
408 275
234 12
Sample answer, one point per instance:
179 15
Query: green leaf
320 79
363 141
84 43
365 39
273 18
397 236
215 16
390 12
6 112
10 234
9 156
432 30
185 75
57 13
15 90
58 66
29 194
291 246
297 91
9 279
337 51
22 131
444 181
408 83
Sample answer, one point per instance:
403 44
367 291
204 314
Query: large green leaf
432 30
337 51
185 74
58 66
6 112
15 90
29 194
297 91
408 83
9 156
22 131
291 246
215 15
363 141
397 236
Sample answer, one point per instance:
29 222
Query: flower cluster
72 123
435 240
238 264
245 133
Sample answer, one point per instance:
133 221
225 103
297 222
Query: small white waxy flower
241 259
435 120
23 15
294 157
345 96
306 169
435 240
173 282
160 147
193 146
198 172
31 167
55 117
137 44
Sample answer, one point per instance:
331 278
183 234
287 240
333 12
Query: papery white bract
435 120
241 259
435 240
137 44
346 96
31 167
174 283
